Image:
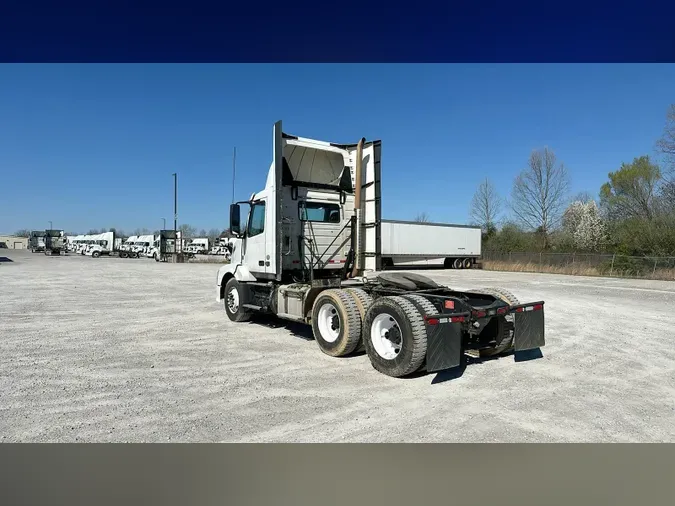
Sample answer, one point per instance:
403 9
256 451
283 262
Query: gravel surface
110 349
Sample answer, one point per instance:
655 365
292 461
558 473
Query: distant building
13 242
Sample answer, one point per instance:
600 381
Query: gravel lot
105 350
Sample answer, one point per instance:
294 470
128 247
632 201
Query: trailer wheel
363 301
336 322
234 303
467 263
457 264
395 336
505 329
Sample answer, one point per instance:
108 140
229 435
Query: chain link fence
587 264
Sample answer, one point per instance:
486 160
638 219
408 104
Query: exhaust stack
358 177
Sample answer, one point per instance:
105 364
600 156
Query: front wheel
95 254
234 301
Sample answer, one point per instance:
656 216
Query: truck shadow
5 259
458 372
295 328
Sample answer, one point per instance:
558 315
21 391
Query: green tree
631 191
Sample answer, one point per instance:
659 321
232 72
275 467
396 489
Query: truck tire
363 301
505 322
395 336
233 302
95 254
467 263
457 264
336 322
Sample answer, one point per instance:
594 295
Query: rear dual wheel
395 335
336 322
458 263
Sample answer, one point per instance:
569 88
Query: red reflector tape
537 307
432 321
479 314
520 310
501 310
456 319
449 304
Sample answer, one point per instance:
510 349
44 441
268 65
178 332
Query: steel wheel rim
328 321
381 336
233 300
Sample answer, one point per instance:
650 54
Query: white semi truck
107 244
310 250
414 244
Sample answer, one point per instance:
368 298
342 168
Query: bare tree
539 191
22 233
486 206
666 144
422 218
213 235
583 196
202 233
188 231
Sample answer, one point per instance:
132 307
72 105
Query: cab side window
256 224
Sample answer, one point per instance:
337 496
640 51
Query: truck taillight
535 307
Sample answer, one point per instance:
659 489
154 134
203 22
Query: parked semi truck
36 241
107 244
411 244
310 250
54 241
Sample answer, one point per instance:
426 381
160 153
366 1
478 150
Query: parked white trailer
408 243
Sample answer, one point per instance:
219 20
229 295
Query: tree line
633 212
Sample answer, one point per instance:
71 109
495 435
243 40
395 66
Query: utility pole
164 221
234 169
50 225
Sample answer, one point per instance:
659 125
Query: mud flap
528 331
444 345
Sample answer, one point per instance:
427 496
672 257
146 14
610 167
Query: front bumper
446 333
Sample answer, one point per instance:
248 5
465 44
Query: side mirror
235 220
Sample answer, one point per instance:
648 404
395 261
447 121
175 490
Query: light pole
175 211
164 221
50 225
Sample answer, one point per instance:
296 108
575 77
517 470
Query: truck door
255 255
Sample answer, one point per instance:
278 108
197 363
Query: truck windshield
319 211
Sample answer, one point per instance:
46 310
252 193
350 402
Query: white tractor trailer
310 250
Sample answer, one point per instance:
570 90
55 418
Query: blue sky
91 146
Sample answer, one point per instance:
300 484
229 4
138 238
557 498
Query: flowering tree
583 223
